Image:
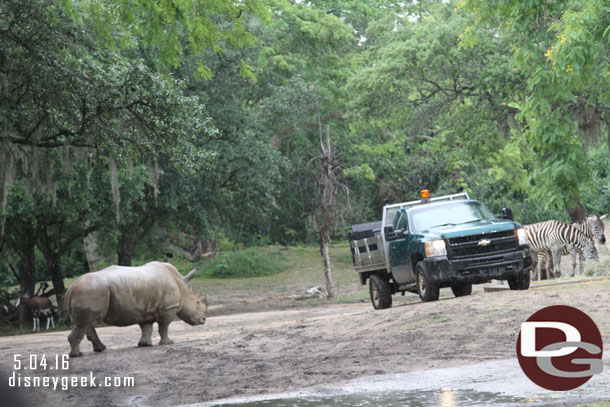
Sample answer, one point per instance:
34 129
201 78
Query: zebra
551 238
592 227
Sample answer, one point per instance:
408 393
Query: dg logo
560 348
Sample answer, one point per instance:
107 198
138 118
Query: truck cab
449 241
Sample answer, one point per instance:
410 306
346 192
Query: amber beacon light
425 194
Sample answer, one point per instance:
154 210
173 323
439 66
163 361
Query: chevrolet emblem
484 242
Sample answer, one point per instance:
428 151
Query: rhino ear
190 275
205 299
603 216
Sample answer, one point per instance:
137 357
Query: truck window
427 218
389 216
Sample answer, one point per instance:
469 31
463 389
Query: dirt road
273 351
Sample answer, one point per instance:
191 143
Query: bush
244 263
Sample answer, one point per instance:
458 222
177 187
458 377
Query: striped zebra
593 228
551 237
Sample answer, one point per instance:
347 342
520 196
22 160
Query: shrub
244 263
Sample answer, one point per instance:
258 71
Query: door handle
393 247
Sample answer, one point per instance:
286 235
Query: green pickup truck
448 241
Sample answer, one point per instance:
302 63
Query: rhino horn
603 216
190 275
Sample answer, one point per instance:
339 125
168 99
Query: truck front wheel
381 293
521 282
427 290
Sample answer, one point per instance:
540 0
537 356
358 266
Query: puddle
493 383
443 398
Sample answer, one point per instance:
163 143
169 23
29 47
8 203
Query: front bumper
475 270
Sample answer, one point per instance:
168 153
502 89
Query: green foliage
244 263
561 49
507 99
169 29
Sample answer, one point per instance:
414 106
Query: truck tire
427 290
460 290
381 293
521 282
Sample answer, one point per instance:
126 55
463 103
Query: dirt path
273 351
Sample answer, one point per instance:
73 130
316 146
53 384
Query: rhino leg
98 346
163 328
74 338
146 338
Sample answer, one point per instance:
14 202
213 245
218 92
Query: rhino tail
67 301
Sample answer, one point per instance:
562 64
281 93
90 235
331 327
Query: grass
302 270
601 268
245 263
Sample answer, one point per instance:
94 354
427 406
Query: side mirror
507 214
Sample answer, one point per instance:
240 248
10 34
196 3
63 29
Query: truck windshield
426 218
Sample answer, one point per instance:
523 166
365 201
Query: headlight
522 235
436 248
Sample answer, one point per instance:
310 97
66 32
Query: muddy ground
281 350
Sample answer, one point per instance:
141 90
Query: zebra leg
581 265
573 256
536 269
549 265
539 266
556 253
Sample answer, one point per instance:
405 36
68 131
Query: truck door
398 248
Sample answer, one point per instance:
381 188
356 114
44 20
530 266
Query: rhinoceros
121 296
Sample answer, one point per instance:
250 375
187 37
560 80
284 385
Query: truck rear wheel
460 290
521 282
427 290
381 293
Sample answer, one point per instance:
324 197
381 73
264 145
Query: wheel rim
375 293
421 282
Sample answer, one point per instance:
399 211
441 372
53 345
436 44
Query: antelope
38 306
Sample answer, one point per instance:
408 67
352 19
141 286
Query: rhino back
124 296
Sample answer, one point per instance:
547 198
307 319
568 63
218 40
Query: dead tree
327 210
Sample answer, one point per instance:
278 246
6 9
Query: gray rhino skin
121 296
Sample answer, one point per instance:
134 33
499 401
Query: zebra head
590 252
595 227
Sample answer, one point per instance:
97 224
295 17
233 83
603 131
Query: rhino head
194 306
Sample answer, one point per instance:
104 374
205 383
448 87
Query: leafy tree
170 28
64 100
560 47
426 114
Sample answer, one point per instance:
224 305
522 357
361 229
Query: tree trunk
125 247
577 212
27 271
324 239
124 257
58 285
